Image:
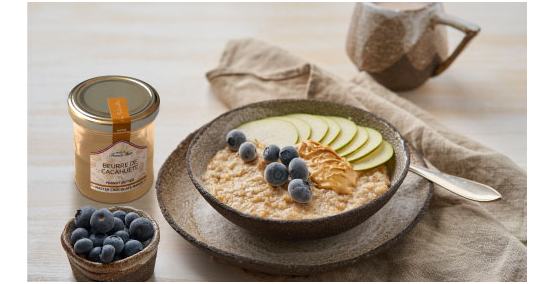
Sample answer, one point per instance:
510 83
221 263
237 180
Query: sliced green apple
373 142
304 129
380 155
334 130
348 130
270 130
359 140
318 125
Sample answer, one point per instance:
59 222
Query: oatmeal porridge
335 186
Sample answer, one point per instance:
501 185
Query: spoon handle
461 186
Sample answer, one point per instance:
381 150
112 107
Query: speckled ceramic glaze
138 267
193 218
403 44
211 139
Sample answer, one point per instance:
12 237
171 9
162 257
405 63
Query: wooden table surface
171 46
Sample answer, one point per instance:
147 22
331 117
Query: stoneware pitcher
403 44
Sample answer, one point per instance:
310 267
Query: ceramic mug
403 44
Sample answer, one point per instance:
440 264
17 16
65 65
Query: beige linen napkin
457 239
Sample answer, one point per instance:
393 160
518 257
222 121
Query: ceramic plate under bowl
193 218
211 138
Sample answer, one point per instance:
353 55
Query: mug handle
469 29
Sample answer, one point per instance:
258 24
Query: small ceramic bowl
211 138
138 267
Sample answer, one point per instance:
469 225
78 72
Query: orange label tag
121 119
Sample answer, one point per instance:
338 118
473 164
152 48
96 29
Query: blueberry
118 225
120 214
116 242
116 257
298 169
78 234
102 220
82 246
130 217
271 153
300 190
141 229
82 218
107 254
94 254
123 235
276 174
287 154
235 138
247 151
97 239
131 247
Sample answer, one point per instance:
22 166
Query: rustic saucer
194 219
138 267
211 138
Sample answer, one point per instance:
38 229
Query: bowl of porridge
297 169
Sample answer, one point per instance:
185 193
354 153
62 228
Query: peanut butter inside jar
113 127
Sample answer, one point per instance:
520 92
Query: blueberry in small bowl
129 218
116 242
82 218
97 238
141 229
114 257
102 220
78 234
120 215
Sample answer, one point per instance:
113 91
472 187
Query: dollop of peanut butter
327 168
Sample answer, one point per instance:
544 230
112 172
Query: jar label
118 168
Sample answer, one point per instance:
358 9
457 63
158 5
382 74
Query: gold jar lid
88 102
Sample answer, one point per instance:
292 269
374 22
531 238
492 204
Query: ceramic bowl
211 138
138 267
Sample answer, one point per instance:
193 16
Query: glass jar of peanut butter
114 137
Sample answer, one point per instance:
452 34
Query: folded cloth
457 239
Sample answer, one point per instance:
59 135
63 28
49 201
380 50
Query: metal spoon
461 186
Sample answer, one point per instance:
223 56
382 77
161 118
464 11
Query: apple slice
359 140
270 130
373 142
334 130
318 125
380 155
304 129
348 130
